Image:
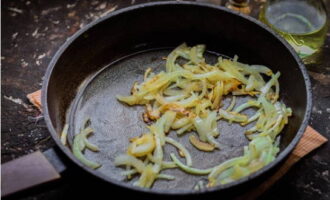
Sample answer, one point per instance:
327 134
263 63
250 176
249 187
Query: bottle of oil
240 6
303 23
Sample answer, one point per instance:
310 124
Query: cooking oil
303 24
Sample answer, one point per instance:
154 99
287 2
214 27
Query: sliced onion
189 169
181 148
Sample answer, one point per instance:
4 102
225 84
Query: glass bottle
303 23
239 5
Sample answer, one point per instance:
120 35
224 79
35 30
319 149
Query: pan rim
265 169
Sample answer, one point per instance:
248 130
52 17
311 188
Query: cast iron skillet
107 56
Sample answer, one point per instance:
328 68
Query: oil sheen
301 24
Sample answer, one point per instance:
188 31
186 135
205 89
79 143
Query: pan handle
30 170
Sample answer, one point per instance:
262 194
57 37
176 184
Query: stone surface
32 31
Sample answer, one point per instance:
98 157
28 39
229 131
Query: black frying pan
106 57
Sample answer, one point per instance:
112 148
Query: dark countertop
32 31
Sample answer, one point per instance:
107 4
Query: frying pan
106 57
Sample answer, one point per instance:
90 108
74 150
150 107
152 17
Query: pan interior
114 123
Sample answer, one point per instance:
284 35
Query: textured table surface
33 30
